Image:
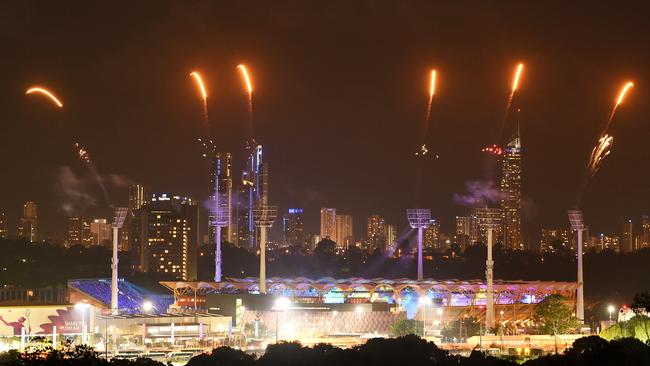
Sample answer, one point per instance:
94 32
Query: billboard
42 320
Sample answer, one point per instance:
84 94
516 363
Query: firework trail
423 149
432 92
619 100
515 86
604 145
249 90
84 156
204 95
47 93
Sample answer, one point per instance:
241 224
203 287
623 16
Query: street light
82 306
281 304
424 300
610 310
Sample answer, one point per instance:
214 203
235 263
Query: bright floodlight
575 218
147 306
282 303
439 311
120 216
359 309
611 309
418 217
425 300
81 305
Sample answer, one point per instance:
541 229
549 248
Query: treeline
408 350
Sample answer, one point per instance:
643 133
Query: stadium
364 305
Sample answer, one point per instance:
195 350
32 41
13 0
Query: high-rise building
376 233
28 228
138 196
645 226
250 195
344 231
328 223
511 194
465 231
221 181
292 227
627 238
78 232
171 236
101 232
564 236
390 233
432 236
488 218
3 226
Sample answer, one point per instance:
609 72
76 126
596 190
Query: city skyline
564 105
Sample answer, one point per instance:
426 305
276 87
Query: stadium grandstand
131 297
514 300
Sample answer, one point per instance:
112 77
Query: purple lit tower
419 218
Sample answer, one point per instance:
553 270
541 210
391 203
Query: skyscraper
328 223
511 194
432 236
101 232
645 226
250 195
221 180
390 233
465 231
376 233
292 227
78 232
28 228
139 196
344 235
487 217
3 226
172 236
627 239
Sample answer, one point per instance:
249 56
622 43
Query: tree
553 316
462 328
640 306
404 327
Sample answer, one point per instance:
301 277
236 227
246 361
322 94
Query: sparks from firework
249 89
493 149
208 147
84 156
47 93
600 152
619 100
204 96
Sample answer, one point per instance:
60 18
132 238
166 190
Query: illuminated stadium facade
516 299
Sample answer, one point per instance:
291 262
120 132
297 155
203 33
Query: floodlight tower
264 216
419 218
118 221
489 277
577 224
220 218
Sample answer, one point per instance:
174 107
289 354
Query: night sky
340 96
